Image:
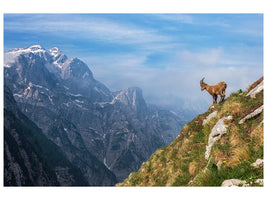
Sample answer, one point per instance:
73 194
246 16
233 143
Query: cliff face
30 159
223 146
107 135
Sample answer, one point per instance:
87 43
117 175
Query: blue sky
164 54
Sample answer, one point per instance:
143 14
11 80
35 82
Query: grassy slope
182 163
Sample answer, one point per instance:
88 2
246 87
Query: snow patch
18 95
79 101
75 95
105 163
171 111
50 99
99 90
39 86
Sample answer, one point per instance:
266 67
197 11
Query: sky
166 55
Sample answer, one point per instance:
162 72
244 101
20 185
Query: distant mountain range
71 129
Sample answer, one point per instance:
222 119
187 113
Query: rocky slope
222 147
105 134
30 159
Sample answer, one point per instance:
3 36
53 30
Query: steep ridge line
212 148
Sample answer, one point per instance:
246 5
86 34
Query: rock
216 133
211 115
237 182
234 183
259 181
212 107
252 93
80 114
253 114
258 163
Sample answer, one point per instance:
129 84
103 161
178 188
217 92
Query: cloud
210 57
177 84
180 18
87 27
166 55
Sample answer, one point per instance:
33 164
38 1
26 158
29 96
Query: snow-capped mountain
101 132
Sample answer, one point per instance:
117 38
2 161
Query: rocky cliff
222 147
30 159
105 134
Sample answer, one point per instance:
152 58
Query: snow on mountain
56 62
58 92
12 55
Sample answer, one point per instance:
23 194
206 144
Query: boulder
258 163
234 183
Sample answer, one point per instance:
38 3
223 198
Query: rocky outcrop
253 92
241 183
30 159
216 133
234 183
251 115
258 163
211 115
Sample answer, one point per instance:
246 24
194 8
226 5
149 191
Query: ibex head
202 85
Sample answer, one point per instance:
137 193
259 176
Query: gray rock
260 181
86 120
252 93
234 183
211 115
253 114
216 133
258 163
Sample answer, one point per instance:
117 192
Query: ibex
214 90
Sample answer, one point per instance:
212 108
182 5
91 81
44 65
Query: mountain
221 147
107 135
30 159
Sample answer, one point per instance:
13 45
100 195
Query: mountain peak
54 49
55 52
132 96
35 47
31 49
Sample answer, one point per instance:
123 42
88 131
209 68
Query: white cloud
178 83
89 27
181 18
177 77
208 57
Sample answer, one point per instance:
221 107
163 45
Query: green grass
237 149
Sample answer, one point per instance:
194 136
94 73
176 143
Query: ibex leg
214 98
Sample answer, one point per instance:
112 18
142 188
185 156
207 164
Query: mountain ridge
83 117
30 159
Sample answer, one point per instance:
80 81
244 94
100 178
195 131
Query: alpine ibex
214 90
